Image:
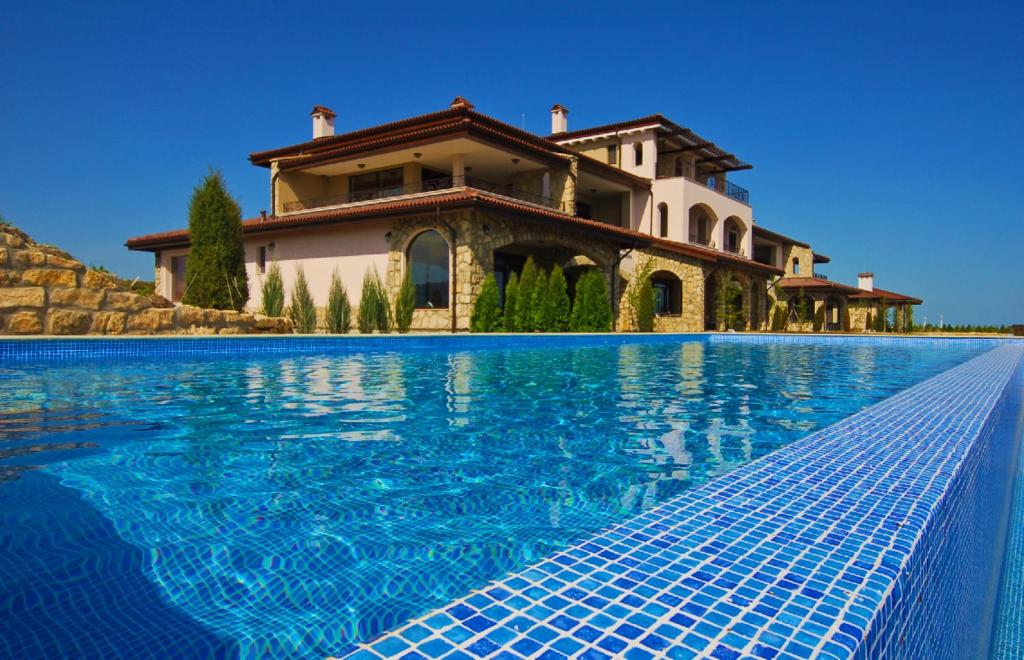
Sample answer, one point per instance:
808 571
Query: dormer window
638 154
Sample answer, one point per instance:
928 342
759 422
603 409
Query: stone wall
43 290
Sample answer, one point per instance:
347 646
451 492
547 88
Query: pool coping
775 559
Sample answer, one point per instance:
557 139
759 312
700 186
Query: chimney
323 122
866 281
559 119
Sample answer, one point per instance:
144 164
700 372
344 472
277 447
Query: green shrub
273 292
591 311
778 317
539 306
338 315
558 306
486 316
642 271
405 303
215 270
730 302
524 297
301 309
508 317
374 312
645 306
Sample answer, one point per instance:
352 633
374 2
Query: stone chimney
323 122
866 281
559 119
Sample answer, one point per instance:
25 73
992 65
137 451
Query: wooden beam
716 158
690 147
732 169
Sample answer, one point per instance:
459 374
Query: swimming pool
296 504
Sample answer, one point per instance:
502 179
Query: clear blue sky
887 136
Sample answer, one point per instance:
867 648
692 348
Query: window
428 260
638 154
374 185
679 166
796 265
613 154
261 260
668 298
178 277
663 220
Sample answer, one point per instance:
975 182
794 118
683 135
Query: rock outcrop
44 290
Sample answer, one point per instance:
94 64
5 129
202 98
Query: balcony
732 191
426 186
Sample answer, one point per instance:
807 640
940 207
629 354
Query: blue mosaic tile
819 549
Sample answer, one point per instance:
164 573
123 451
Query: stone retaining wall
44 290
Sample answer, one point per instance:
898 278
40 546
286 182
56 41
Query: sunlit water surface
291 506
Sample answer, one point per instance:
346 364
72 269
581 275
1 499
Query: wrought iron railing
732 191
425 186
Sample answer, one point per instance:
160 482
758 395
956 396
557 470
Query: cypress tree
338 315
602 307
558 303
301 309
645 307
405 303
591 311
581 301
272 292
486 315
508 319
524 299
539 306
215 270
374 312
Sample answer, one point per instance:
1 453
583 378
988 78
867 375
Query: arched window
638 153
663 220
428 261
668 293
679 166
796 265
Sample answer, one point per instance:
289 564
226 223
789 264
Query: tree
524 298
486 316
641 272
730 302
539 305
559 306
374 312
645 307
908 320
215 270
338 315
272 292
405 303
301 309
591 311
508 318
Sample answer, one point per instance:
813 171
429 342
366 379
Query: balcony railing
426 186
732 191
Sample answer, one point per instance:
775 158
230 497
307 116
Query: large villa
456 195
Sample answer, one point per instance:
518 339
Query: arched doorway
702 224
427 258
801 311
668 293
835 314
723 304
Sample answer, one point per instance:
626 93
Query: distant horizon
871 137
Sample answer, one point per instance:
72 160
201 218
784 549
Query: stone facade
43 290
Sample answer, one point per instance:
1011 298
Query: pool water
291 506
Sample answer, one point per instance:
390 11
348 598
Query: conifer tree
272 292
508 319
645 307
374 312
539 306
215 270
338 315
301 309
524 298
559 307
405 303
486 316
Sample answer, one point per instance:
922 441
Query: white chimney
866 281
323 122
559 119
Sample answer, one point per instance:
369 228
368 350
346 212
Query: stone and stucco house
455 195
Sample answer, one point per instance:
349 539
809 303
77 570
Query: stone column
458 170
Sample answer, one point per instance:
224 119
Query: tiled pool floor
792 556
1008 643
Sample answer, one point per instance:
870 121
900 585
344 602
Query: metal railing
425 186
732 191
